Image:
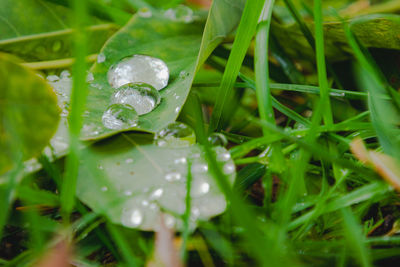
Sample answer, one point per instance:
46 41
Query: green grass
300 197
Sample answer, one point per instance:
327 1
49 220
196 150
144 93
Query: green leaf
379 31
176 43
28 113
49 37
223 18
123 174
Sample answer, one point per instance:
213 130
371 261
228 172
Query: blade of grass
78 100
321 65
355 238
245 32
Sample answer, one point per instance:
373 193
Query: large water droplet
176 134
141 96
139 69
120 116
181 13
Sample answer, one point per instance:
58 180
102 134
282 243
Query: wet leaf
131 180
379 31
28 112
49 37
176 43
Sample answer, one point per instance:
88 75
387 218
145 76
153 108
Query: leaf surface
28 112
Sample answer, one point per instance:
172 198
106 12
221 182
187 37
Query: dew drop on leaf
120 116
101 58
199 187
139 69
176 134
141 96
229 168
218 139
173 176
181 13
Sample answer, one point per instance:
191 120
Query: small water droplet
145 203
139 69
128 160
195 212
144 12
156 194
177 109
183 74
120 116
104 188
52 78
175 134
180 161
101 58
65 74
128 193
100 167
199 188
199 168
89 77
136 217
181 13
141 96
229 168
218 139
173 176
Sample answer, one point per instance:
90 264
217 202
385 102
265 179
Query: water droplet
89 77
145 203
52 78
101 58
169 221
229 168
104 188
128 193
177 109
156 194
218 139
141 96
100 167
195 212
199 188
136 217
222 154
199 168
181 13
180 161
120 116
144 12
139 69
175 134
65 74
173 176
183 74
129 160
